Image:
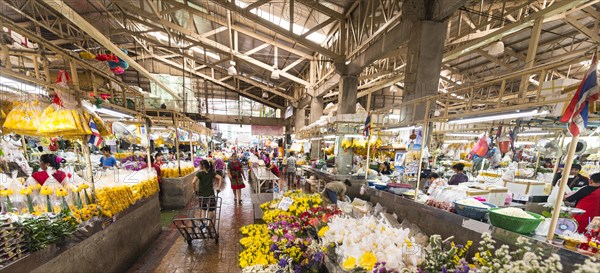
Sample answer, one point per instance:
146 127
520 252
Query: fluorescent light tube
329 137
113 113
463 134
498 117
457 141
354 135
534 133
7 84
401 129
524 143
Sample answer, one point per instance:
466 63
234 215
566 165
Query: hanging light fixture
275 73
394 88
231 71
265 95
496 49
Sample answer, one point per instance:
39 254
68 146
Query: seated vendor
386 169
588 199
50 165
576 180
107 160
460 176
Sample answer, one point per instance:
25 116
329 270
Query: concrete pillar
346 105
348 94
424 61
300 117
316 111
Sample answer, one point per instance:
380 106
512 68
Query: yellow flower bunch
6 192
367 261
26 190
269 215
256 246
86 213
322 231
349 264
113 200
82 187
145 189
45 190
302 202
61 192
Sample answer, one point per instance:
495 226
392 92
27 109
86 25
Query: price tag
476 226
285 203
520 197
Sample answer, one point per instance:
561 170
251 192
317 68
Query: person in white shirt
290 169
434 180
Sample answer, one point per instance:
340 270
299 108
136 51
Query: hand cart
200 227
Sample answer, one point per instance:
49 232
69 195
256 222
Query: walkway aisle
170 253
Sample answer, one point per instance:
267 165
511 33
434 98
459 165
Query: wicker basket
515 224
472 212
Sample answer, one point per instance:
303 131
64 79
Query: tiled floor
171 253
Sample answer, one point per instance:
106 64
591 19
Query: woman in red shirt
588 199
273 168
50 165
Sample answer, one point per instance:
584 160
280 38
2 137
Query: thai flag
95 139
577 111
367 130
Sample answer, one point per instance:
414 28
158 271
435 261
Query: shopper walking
290 170
237 177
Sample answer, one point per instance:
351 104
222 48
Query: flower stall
300 235
54 215
177 173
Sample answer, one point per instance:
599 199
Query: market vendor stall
177 173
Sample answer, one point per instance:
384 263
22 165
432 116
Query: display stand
176 193
113 245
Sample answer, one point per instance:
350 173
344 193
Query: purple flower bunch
380 268
219 164
292 247
197 161
134 163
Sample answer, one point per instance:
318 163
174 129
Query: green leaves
43 231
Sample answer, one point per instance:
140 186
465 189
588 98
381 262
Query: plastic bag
554 195
57 120
481 148
24 119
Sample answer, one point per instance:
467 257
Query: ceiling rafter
277 29
220 70
141 17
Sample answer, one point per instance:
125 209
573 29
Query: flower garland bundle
113 200
145 188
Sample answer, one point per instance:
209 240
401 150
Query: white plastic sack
554 195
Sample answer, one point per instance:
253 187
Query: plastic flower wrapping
23 118
360 243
